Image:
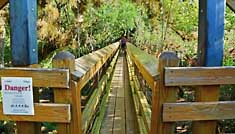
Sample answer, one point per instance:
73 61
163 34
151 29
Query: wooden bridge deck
120 115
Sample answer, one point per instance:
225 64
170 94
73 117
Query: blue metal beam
23 22
211 32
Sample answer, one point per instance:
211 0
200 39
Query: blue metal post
23 21
211 32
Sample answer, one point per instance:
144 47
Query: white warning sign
17 96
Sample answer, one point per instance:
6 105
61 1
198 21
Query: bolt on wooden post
162 94
71 96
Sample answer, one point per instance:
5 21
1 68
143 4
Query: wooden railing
163 78
231 4
3 3
67 78
99 66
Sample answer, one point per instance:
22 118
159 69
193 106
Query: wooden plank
85 74
107 124
119 119
140 123
41 77
231 4
195 111
120 80
23 19
162 94
91 106
117 86
3 3
145 109
97 128
145 63
177 76
43 113
131 117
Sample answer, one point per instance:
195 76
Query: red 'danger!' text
17 88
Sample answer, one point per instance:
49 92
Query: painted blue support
211 32
23 21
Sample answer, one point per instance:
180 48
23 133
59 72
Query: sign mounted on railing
17 96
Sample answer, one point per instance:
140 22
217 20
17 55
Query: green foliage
229 19
49 126
110 21
7 47
184 15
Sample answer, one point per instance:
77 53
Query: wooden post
210 53
71 96
76 109
162 94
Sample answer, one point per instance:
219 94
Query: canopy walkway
110 92
120 117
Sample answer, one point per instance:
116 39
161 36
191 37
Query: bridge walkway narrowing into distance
120 116
127 109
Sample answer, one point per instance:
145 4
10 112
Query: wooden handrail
3 3
93 102
198 111
59 113
231 4
87 66
140 101
146 63
192 76
41 77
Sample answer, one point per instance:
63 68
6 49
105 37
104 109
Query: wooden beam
41 77
196 111
145 63
187 76
231 4
143 125
92 104
3 3
87 66
43 113
144 107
